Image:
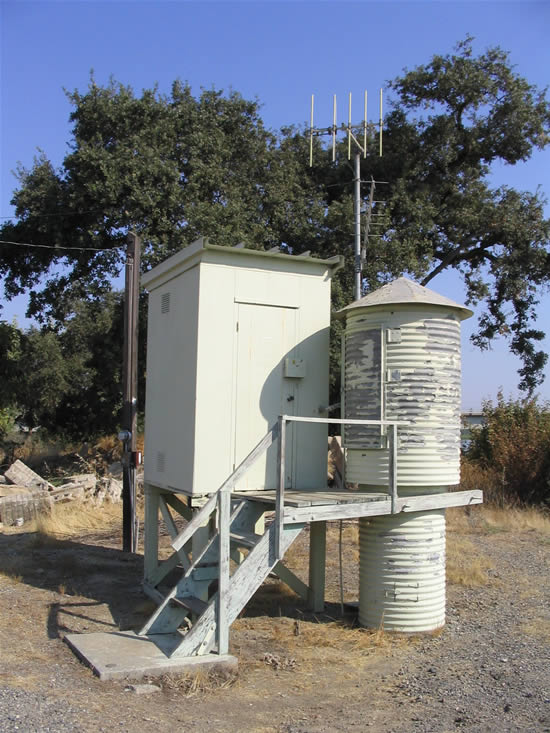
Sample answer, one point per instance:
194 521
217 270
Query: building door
266 334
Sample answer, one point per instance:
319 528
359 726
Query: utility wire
57 246
56 213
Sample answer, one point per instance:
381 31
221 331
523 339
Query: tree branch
452 256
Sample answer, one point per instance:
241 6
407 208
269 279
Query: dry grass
27 682
465 566
10 575
300 640
198 683
521 520
490 519
73 519
539 628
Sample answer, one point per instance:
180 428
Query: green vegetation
509 456
176 167
68 379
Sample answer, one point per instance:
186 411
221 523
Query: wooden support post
280 495
129 406
317 562
173 530
151 533
168 518
222 625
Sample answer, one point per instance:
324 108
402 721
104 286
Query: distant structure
471 420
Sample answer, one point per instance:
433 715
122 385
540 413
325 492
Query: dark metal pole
357 232
129 408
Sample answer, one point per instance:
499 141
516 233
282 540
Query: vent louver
165 303
161 462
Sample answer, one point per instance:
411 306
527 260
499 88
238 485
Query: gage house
236 428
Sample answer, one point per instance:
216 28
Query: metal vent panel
161 462
363 387
165 303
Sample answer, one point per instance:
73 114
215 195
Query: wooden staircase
208 598
209 619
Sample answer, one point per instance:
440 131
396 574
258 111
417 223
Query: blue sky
279 52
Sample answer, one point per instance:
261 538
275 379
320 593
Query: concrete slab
125 655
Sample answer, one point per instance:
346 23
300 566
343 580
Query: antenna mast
360 149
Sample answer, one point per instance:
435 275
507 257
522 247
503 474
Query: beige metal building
236 337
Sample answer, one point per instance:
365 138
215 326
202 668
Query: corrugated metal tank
402 582
401 361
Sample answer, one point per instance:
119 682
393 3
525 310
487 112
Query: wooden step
243 584
244 539
191 603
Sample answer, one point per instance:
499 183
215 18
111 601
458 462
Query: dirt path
488 670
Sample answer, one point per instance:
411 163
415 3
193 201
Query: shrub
510 453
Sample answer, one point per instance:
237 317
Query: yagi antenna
360 149
348 128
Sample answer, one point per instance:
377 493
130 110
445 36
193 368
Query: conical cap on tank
405 292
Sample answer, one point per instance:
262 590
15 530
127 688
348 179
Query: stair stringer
247 578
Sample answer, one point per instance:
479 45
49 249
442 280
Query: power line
57 213
57 246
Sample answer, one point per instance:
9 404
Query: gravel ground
30 711
489 670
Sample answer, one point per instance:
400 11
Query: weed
509 455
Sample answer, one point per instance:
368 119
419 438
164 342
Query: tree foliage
68 380
468 113
170 168
175 167
450 121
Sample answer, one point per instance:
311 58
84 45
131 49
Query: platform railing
391 425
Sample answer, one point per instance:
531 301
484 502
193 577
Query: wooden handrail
208 508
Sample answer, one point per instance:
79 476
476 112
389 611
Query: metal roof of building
405 292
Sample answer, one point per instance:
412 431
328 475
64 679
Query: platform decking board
314 498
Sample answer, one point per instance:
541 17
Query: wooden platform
313 497
312 506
